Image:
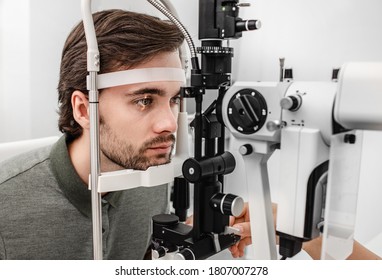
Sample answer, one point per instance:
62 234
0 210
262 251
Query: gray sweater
45 211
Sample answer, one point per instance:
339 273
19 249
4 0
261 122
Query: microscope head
359 96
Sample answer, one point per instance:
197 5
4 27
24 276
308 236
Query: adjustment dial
247 111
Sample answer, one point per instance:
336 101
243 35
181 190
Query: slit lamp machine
318 127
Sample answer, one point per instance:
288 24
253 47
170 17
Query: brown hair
125 39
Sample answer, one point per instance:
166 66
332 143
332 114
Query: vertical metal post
93 66
95 168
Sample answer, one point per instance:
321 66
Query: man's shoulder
11 168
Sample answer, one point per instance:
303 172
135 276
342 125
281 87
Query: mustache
158 140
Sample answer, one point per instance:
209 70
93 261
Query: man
45 208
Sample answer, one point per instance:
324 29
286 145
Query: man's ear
80 105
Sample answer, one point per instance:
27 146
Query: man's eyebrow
142 91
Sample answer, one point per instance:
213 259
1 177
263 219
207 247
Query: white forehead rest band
143 75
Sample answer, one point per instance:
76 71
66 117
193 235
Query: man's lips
162 148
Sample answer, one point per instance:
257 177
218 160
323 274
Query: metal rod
93 66
95 168
198 155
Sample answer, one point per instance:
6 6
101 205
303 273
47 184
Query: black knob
165 219
246 149
185 254
194 170
246 25
227 204
291 102
161 221
159 252
247 111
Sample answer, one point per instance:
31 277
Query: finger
234 250
233 220
244 228
242 244
189 220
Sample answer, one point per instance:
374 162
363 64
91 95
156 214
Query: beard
124 154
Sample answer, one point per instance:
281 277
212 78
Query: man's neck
79 153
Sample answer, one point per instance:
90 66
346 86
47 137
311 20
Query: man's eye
144 102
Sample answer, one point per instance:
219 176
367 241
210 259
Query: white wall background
313 36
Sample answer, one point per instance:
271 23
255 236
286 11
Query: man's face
138 121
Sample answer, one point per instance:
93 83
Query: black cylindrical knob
185 254
227 204
194 170
163 220
291 102
158 252
246 149
246 25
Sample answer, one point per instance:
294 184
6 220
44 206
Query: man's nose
166 120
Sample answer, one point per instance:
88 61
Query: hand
242 223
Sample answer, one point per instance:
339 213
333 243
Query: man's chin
153 161
144 166
160 161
